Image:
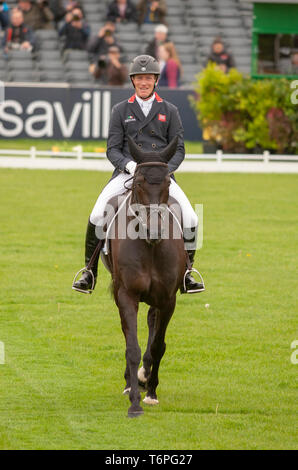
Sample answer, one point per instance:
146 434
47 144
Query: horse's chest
146 280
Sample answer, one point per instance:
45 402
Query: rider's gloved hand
131 167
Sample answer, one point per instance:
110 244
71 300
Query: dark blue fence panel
75 113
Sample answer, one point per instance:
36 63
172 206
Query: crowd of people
107 56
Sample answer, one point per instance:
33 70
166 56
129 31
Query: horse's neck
132 199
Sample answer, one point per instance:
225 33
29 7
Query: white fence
219 162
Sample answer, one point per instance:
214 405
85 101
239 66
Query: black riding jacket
151 133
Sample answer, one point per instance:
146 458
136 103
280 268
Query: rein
160 209
128 198
146 206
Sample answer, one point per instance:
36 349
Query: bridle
160 210
144 165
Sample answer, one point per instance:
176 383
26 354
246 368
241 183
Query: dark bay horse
148 269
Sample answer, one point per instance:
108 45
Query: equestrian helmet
144 64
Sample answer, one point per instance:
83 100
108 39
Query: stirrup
84 270
195 290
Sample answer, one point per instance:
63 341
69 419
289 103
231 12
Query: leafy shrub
240 114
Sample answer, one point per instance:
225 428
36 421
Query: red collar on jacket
157 97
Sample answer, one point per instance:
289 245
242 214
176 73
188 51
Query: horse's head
150 189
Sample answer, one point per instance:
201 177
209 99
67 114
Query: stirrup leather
84 270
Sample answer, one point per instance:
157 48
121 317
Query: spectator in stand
99 45
172 70
220 56
75 30
4 15
57 8
109 69
70 5
122 11
17 34
160 37
37 15
152 11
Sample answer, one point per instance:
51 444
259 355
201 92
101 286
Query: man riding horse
152 123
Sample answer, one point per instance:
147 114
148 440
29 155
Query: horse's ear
170 150
135 151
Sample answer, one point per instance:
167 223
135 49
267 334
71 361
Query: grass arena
229 377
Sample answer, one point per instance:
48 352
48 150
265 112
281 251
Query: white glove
131 167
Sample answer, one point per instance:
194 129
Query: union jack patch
162 117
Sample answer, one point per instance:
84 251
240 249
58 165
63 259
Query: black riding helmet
144 64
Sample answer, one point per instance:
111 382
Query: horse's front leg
128 309
127 380
145 370
158 348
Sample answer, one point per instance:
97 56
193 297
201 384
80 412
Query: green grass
226 380
67 145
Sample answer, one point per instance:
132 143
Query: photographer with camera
152 11
4 15
71 4
75 30
37 14
109 69
99 45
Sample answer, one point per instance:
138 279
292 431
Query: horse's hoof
126 391
135 412
150 401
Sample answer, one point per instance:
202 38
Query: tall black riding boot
191 285
190 239
84 284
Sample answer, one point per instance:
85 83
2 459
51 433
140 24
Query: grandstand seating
193 24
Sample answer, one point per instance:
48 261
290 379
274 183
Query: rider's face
144 85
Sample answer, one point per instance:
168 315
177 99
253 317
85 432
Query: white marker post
2 92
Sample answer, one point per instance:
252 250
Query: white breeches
116 187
